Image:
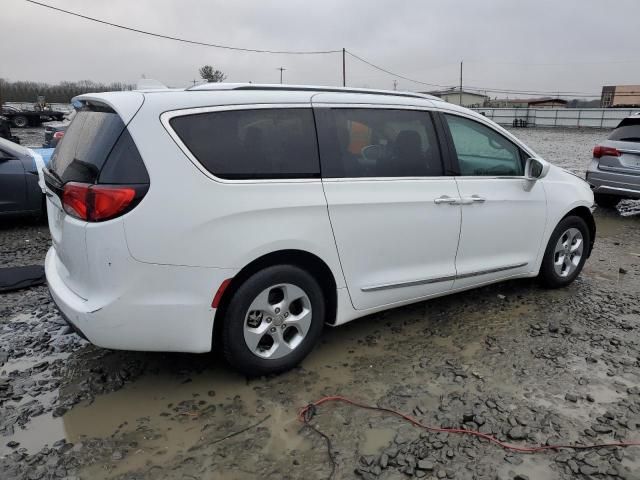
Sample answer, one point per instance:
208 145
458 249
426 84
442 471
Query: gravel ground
525 364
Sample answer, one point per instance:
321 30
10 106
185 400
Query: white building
467 99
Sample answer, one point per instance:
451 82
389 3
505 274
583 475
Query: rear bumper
609 183
154 308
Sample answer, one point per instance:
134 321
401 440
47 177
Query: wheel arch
300 258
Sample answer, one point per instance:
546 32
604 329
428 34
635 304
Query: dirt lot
525 364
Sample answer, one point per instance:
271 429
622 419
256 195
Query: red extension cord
306 414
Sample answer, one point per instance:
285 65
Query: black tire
235 349
606 201
548 275
20 121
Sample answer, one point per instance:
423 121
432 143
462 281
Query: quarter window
252 144
481 151
368 142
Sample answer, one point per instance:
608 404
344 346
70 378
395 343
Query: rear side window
252 144
371 142
124 164
97 147
627 131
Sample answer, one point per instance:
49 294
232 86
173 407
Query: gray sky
545 45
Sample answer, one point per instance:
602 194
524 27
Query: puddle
609 224
375 439
42 430
536 467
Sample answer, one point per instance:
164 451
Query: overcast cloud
502 42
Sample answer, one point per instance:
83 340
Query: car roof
160 100
13 147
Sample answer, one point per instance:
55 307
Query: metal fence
558 117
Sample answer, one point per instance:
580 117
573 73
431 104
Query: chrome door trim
426 281
490 270
412 283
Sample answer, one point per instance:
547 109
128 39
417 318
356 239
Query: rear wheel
566 253
20 121
273 320
606 201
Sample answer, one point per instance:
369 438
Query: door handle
445 199
470 200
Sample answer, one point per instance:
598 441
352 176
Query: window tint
367 142
85 146
627 131
124 164
482 151
251 144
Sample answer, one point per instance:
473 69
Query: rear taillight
58 135
97 203
601 151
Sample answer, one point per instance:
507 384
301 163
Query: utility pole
282 69
194 82
460 96
395 84
344 72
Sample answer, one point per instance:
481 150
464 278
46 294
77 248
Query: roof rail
306 88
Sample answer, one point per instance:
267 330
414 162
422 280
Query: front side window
368 142
252 144
481 151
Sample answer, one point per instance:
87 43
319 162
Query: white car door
390 205
503 214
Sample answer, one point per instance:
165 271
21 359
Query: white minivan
246 217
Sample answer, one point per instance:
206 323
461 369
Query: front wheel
566 252
273 320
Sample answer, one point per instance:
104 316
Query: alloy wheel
568 252
277 321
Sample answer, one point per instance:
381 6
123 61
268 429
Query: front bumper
157 308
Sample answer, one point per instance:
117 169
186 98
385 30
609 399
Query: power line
323 52
479 89
177 39
389 72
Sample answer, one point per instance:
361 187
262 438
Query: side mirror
535 169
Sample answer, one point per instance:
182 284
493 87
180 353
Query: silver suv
614 173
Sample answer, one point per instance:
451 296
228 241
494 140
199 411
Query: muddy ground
529 365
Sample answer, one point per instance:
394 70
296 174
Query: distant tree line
63 92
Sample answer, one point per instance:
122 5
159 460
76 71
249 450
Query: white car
246 217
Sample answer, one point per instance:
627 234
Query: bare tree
210 75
